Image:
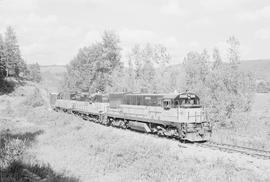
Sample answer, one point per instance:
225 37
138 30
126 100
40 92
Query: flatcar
173 115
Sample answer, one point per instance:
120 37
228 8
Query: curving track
261 154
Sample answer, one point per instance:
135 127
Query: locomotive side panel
187 122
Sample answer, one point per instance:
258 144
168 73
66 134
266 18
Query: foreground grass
249 130
91 152
12 167
17 136
98 153
16 173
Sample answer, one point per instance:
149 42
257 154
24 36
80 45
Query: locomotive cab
167 104
184 100
189 100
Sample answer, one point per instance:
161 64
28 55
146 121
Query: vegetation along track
262 154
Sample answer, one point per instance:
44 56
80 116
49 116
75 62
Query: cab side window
176 103
166 104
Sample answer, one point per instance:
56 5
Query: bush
12 169
12 146
10 151
35 99
16 173
262 87
6 87
33 72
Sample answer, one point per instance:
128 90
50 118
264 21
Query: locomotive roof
175 95
166 96
142 94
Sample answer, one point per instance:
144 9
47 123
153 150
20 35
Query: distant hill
52 76
261 68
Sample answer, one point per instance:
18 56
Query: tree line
11 61
224 89
98 67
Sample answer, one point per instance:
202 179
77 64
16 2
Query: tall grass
15 173
12 148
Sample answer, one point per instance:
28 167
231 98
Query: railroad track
261 154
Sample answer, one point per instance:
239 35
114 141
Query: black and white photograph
134 91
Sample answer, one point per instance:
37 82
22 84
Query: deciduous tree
222 86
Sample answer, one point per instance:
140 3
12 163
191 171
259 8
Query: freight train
178 115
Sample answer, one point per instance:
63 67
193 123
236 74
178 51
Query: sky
52 31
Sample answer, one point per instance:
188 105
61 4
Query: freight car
173 115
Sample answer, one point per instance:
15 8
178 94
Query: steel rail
258 153
261 154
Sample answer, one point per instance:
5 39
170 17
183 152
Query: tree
217 58
147 58
223 87
2 59
93 66
12 52
233 51
196 68
34 72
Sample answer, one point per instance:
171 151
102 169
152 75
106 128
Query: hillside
261 68
52 76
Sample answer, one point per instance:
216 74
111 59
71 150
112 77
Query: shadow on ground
6 86
18 171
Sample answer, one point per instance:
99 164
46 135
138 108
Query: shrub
6 86
262 87
10 151
16 173
35 99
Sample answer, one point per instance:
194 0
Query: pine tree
2 58
12 52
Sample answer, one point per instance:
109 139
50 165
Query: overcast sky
52 31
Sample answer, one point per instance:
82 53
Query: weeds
6 87
15 173
28 137
12 146
34 100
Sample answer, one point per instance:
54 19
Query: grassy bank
91 152
100 153
12 166
17 136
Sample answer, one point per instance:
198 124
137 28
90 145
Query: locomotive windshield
189 100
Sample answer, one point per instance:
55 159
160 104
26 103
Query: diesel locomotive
178 115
